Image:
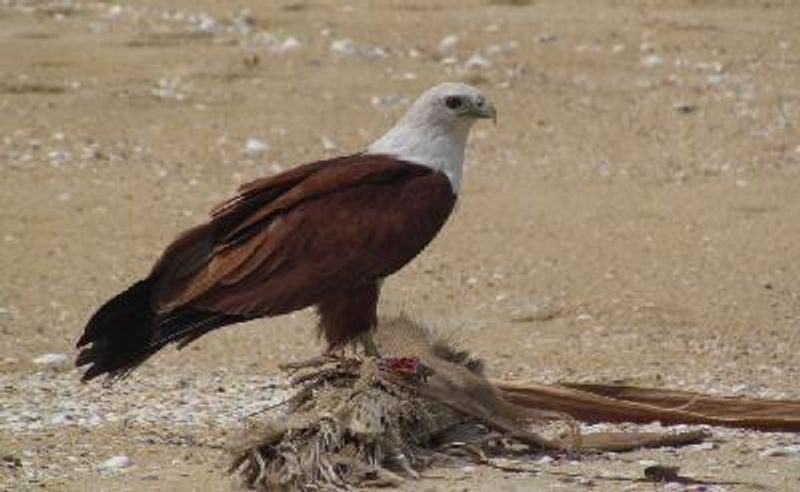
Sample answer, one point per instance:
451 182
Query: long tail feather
125 331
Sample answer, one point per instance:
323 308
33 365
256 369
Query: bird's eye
453 102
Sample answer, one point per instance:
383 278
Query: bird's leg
370 348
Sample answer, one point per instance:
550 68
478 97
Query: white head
434 131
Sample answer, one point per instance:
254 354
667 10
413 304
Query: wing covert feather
341 224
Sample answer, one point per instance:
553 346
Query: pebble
115 463
168 89
244 23
328 144
703 446
11 461
389 101
50 359
792 451
714 67
289 44
265 38
652 61
448 43
115 11
546 38
255 146
54 400
344 47
685 107
478 61
206 24
647 47
503 48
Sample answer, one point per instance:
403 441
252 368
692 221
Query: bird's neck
428 146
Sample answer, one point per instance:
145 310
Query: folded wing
284 243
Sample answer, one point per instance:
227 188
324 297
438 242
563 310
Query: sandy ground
633 216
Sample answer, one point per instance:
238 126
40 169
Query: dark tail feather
124 332
132 304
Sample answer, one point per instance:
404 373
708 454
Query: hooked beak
485 110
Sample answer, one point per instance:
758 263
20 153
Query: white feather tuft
432 135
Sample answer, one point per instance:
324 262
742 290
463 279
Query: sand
632 217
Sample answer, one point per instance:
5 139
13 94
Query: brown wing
287 241
315 233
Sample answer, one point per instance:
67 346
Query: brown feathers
345 314
342 225
323 234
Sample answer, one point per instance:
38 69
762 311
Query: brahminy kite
323 234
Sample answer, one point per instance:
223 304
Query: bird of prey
323 234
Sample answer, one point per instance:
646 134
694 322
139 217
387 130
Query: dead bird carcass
360 422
